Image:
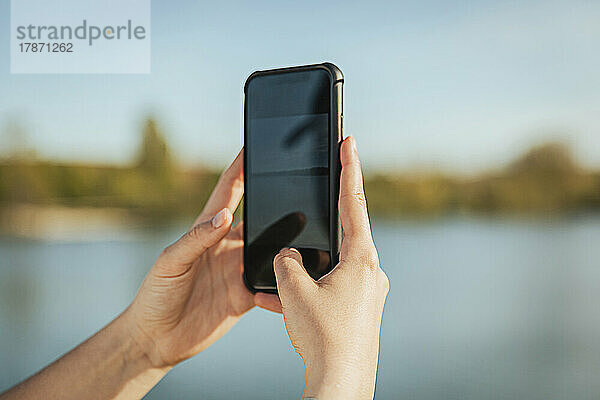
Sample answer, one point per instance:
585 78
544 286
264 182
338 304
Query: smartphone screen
287 175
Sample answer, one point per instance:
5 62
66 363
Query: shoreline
52 222
66 223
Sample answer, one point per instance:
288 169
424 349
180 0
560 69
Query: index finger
228 191
352 204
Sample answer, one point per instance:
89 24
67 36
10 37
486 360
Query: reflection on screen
287 203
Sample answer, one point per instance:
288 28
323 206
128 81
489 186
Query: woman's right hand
334 323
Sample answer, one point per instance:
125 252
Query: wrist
138 348
340 379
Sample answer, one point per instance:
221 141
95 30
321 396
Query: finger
178 257
292 279
268 301
228 191
352 203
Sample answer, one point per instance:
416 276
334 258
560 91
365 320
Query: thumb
292 278
176 259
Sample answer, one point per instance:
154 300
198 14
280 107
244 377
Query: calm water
478 309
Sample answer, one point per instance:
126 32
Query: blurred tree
156 184
544 179
548 158
154 157
15 141
17 183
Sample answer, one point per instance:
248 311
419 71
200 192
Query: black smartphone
292 132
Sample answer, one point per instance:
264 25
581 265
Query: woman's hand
195 292
334 323
192 295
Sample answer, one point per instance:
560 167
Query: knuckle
196 232
358 196
355 162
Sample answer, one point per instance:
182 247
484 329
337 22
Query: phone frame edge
335 139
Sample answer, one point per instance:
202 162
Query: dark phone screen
287 172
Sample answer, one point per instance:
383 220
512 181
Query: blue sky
463 86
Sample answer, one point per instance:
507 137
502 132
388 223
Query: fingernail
354 145
219 219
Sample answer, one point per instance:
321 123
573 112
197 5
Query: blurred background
478 124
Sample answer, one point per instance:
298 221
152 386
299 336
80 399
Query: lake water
478 309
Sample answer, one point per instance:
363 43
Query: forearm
349 377
109 365
339 386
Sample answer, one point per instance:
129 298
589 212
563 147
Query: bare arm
191 297
109 365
